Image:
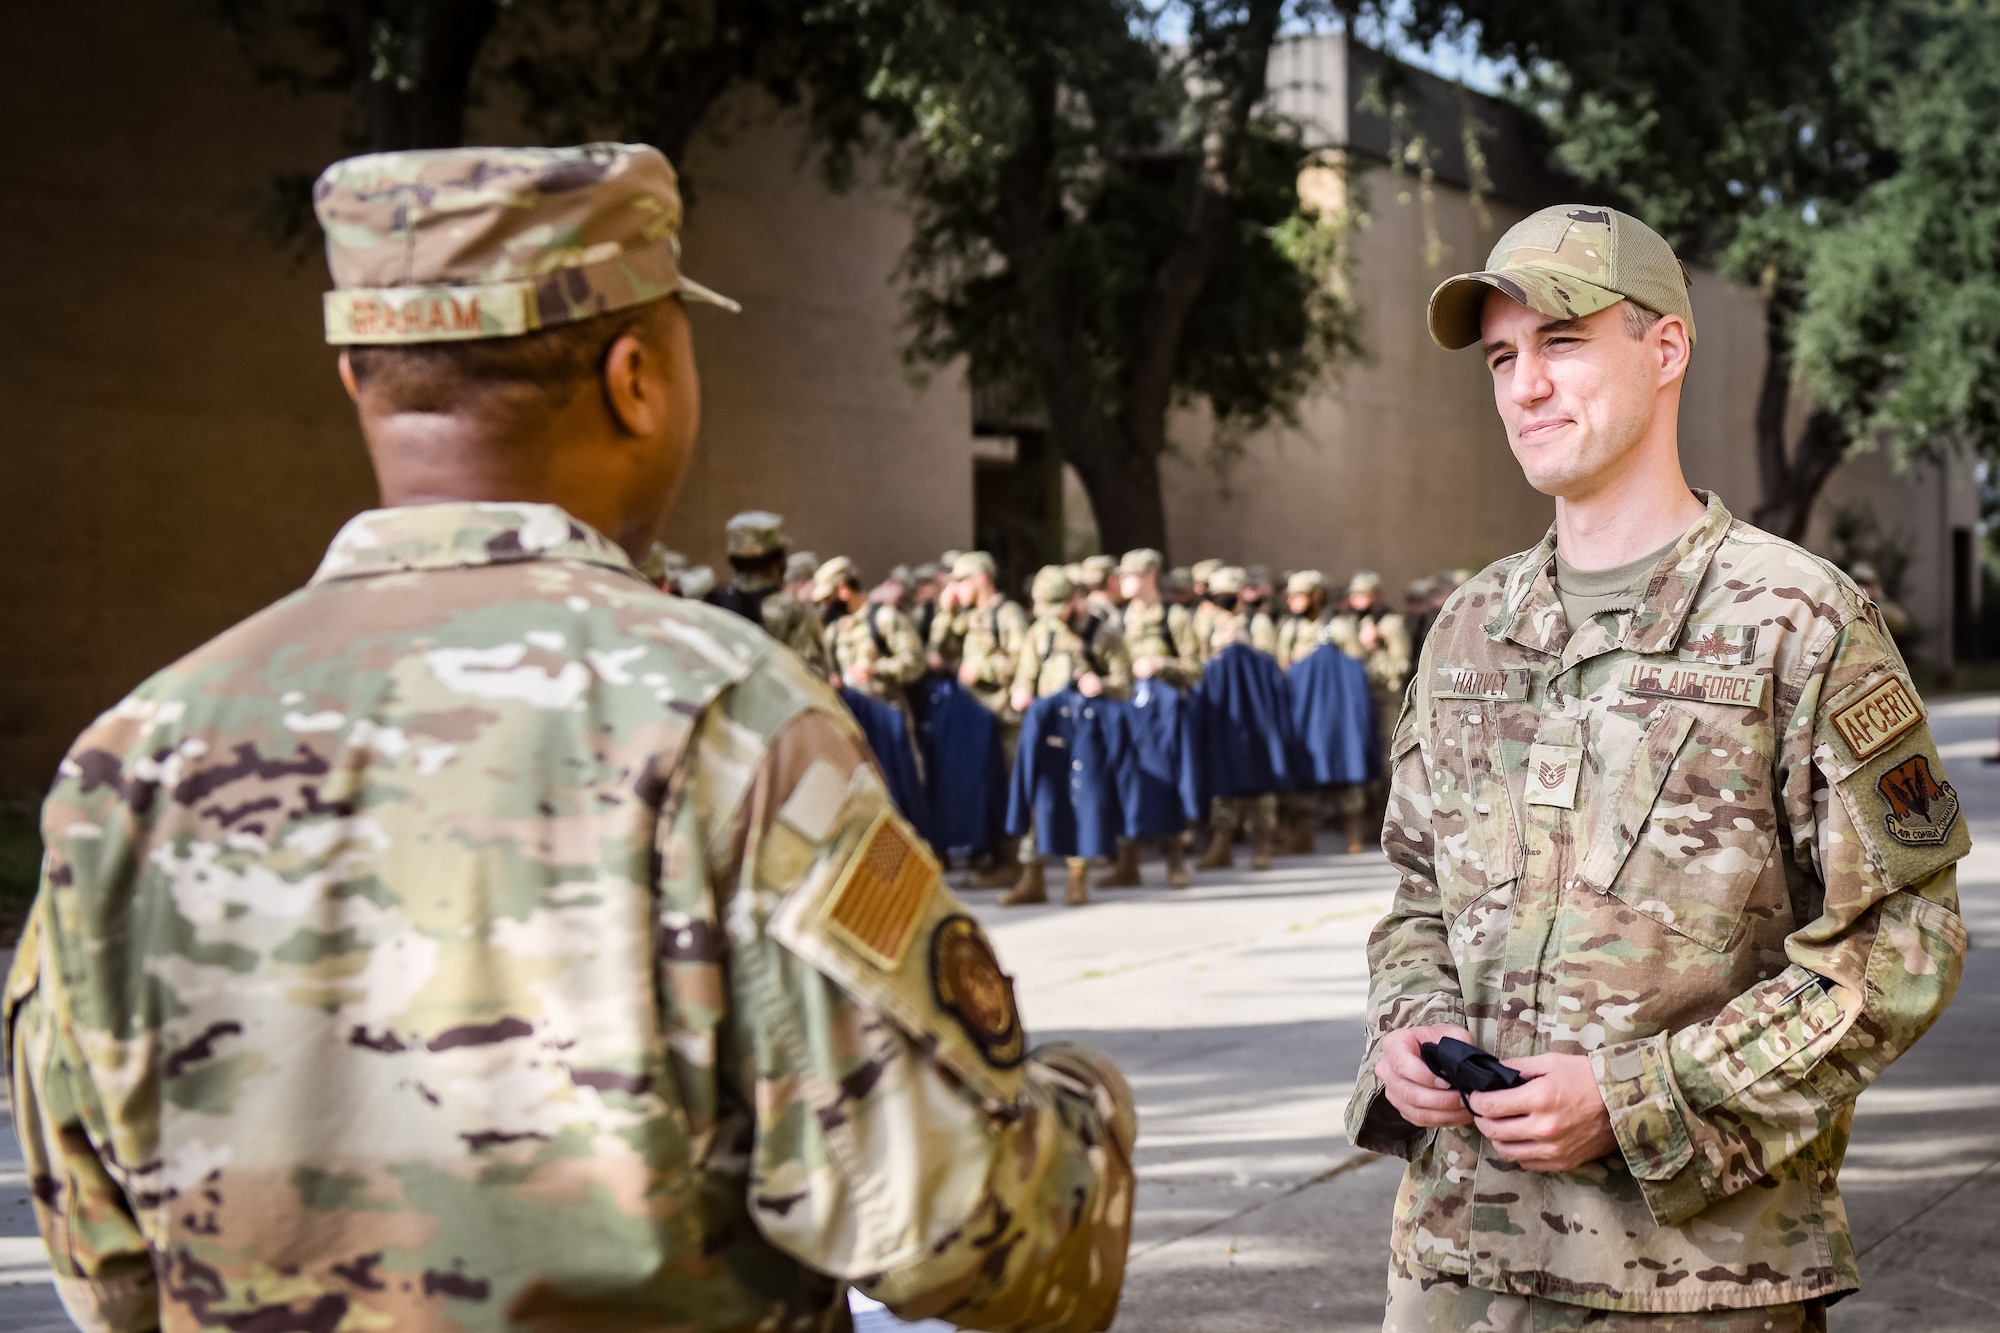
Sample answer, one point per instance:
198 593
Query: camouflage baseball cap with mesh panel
1566 262
444 245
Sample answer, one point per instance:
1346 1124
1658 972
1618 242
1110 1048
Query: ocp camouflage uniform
989 637
1706 843
1154 629
783 616
881 638
1055 653
1300 636
1257 816
1388 667
480 938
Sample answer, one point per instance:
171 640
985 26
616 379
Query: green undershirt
1588 592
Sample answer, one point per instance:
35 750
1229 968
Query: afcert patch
1719 645
1877 717
1919 808
970 986
1552 772
882 894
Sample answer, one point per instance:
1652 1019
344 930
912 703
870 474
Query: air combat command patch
968 982
1919 808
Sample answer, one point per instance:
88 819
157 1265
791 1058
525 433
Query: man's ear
634 383
348 381
1671 347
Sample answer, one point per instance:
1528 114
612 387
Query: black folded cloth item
1467 1068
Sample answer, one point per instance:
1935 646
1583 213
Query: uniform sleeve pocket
1691 828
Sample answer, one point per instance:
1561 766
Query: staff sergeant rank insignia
971 988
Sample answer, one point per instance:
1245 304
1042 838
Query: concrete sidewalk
1236 1009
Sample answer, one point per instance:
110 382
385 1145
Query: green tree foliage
1108 222
1111 225
1900 331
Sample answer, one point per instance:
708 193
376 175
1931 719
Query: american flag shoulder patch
880 898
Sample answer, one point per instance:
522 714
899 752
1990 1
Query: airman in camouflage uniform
1377 638
756 543
1067 645
978 639
479 939
1695 849
874 647
1303 630
1228 622
1160 641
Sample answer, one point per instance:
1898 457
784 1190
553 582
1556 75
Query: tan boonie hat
829 577
1566 262
972 564
1304 582
1052 586
755 532
1228 579
443 245
1144 560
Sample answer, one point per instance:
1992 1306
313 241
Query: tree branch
1149 380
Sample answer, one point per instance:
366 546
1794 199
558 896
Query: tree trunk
1125 497
1790 479
416 67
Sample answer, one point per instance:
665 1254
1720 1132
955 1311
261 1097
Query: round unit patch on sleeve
968 982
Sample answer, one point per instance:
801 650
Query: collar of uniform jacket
1532 616
464 535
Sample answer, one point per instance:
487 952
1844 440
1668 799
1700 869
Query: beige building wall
1399 464
176 450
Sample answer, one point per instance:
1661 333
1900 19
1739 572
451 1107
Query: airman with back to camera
480 939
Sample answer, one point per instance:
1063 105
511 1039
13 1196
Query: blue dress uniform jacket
963 767
888 737
1240 733
1333 716
1065 776
1149 781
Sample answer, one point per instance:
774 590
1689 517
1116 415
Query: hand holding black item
1467 1068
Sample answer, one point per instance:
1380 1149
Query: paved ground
1236 1009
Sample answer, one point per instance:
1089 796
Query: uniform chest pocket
1690 829
1477 843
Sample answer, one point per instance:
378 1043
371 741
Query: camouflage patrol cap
443 245
1304 582
1052 586
1144 560
1098 569
1365 581
829 577
1228 579
697 583
972 564
1204 570
660 562
755 532
1566 262
927 572
1179 579
799 566
950 557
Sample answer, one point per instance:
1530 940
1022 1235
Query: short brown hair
1638 318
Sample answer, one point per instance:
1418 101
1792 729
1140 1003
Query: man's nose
1529 383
